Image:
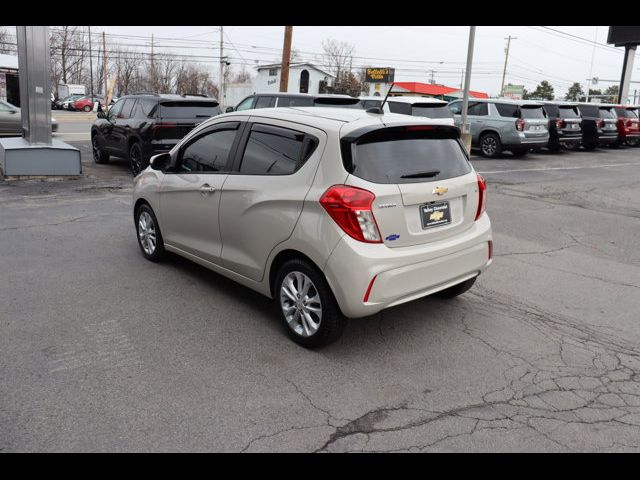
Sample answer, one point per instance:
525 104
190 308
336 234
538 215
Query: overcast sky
537 54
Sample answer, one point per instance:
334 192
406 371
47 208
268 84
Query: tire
86 108
311 330
147 230
490 145
98 155
137 160
456 290
519 152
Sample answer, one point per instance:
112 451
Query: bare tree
337 57
7 41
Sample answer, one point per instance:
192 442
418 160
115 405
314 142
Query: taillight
350 208
600 123
520 125
560 123
482 196
629 123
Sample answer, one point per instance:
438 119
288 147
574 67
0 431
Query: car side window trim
214 128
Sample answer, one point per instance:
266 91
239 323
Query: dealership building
9 89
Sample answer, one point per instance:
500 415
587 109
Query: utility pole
221 89
90 63
506 59
153 69
286 58
104 64
432 80
466 130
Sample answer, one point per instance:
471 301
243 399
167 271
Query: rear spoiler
412 130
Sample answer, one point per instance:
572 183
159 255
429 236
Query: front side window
272 151
209 152
127 108
246 104
115 110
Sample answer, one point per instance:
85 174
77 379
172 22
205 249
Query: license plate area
435 214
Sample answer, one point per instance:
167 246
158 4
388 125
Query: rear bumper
403 274
607 139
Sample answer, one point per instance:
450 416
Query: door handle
206 189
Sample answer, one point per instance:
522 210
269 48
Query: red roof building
433 90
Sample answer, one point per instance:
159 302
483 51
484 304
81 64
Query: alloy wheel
300 303
489 145
147 233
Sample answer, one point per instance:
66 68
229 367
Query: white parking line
562 168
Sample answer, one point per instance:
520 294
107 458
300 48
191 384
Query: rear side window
144 108
265 102
295 102
434 111
189 109
536 112
272 151
366 104
569 112
479 109
508 110
400 155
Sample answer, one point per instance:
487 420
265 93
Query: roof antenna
379 109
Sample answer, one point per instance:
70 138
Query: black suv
272 100
564 125
142 125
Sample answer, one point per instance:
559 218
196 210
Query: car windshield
532 112
569 112
189 109
404 155
432 111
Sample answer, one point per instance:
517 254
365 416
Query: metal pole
221 93
506 59
466 131
286 58
627 69
104 65
90 64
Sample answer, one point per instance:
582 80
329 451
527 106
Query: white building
303 78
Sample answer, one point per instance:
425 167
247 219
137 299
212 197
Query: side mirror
13 111
161 161
229 110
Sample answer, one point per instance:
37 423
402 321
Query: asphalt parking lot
101 350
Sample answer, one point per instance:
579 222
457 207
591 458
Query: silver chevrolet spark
334 213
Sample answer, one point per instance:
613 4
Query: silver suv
332 212
501 124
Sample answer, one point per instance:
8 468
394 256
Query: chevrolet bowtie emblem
435 216
440 190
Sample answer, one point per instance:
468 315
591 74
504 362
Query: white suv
334 213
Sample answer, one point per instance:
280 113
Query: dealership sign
516 92
379 75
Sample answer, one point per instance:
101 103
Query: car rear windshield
189 109
632 113
432 111
569 112
589 111
552 110
532 112
607 113
404 155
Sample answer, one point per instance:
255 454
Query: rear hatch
609 120
535 121
569 120
425 187
633 122
177 118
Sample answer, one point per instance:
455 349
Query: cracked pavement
101 350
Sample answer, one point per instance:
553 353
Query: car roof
560 103
170 96
509 101
344 120
413 99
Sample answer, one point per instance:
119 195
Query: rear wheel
98 155
458 289
136 159
86 108
307 306
490 145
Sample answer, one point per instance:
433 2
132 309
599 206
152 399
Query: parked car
628 125
411 105
564 125
501 124
332 212
63 103
87 102
272 100
139 126
598 128
11 120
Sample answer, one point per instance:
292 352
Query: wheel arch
281 258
